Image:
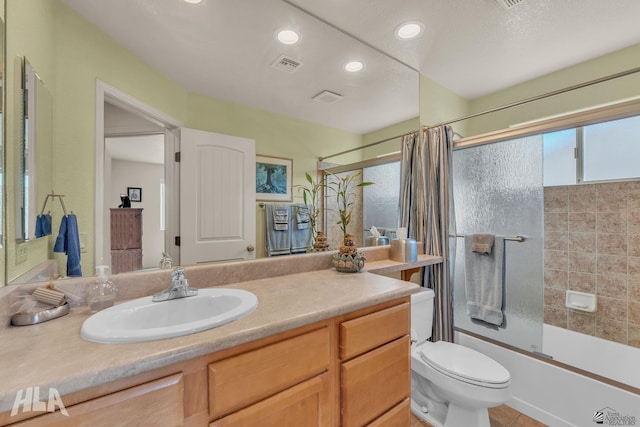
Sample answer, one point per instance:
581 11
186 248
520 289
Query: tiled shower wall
592 244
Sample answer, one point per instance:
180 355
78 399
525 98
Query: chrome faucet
178 288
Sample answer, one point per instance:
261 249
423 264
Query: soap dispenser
101 294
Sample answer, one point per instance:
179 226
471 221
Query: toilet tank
422 314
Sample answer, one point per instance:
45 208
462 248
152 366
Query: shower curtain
426 209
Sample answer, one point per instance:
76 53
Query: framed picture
274 176
134 193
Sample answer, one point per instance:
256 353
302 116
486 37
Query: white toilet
451 385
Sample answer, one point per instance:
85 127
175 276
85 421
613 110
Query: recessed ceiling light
409 30
288 36
193 1
353 66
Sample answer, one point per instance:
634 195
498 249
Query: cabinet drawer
375 382
399 416
300 405
242 380
373 330
155 403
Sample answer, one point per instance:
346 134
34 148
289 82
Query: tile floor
501 416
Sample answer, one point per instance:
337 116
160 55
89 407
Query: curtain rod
366 146
538 97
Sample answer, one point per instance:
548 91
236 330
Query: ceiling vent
286 64
327 97
508 4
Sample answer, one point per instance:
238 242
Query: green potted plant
348 259
310 193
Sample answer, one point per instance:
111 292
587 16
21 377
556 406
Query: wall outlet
83 242
22 254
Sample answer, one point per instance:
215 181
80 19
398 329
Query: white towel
484 277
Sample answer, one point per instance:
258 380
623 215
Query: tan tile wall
592 244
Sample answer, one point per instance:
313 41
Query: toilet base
460 416
416 410
456 416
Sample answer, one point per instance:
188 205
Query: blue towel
301 238
278 234
43 225
68 241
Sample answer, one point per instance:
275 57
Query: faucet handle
166 261
177 274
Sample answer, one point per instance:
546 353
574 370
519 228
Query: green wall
591 96
438 104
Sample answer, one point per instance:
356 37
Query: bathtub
559 397
607 358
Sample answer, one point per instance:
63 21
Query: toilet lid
464 363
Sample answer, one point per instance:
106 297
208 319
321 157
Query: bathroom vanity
322 348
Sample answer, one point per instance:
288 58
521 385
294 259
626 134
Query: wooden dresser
126 240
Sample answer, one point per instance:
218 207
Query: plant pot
348 263
320 243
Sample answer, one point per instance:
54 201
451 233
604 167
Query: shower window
599 152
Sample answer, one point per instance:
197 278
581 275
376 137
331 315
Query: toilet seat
464 364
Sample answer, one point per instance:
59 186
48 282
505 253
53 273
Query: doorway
135 146
134 165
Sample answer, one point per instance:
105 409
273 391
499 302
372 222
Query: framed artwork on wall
274 177
135 194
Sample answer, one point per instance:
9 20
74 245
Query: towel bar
514 239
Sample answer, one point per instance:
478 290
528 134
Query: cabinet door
155 403
399 416
303 405
375 382
245 379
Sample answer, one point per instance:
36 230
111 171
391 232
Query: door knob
250 248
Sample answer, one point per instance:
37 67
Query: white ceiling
475 47
142 148
224 48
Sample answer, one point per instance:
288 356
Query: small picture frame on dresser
135 194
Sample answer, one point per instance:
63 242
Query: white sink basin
143 320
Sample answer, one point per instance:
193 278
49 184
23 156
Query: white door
217 197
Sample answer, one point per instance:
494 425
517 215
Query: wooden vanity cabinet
375 368
351 370
154 403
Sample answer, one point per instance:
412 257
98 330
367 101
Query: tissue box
404 250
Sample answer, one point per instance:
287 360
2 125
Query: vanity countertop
52 354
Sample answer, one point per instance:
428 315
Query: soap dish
581 301
24 319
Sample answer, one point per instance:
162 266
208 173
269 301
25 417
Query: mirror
302 130
2 148
36 153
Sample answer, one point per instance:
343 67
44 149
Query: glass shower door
498 190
